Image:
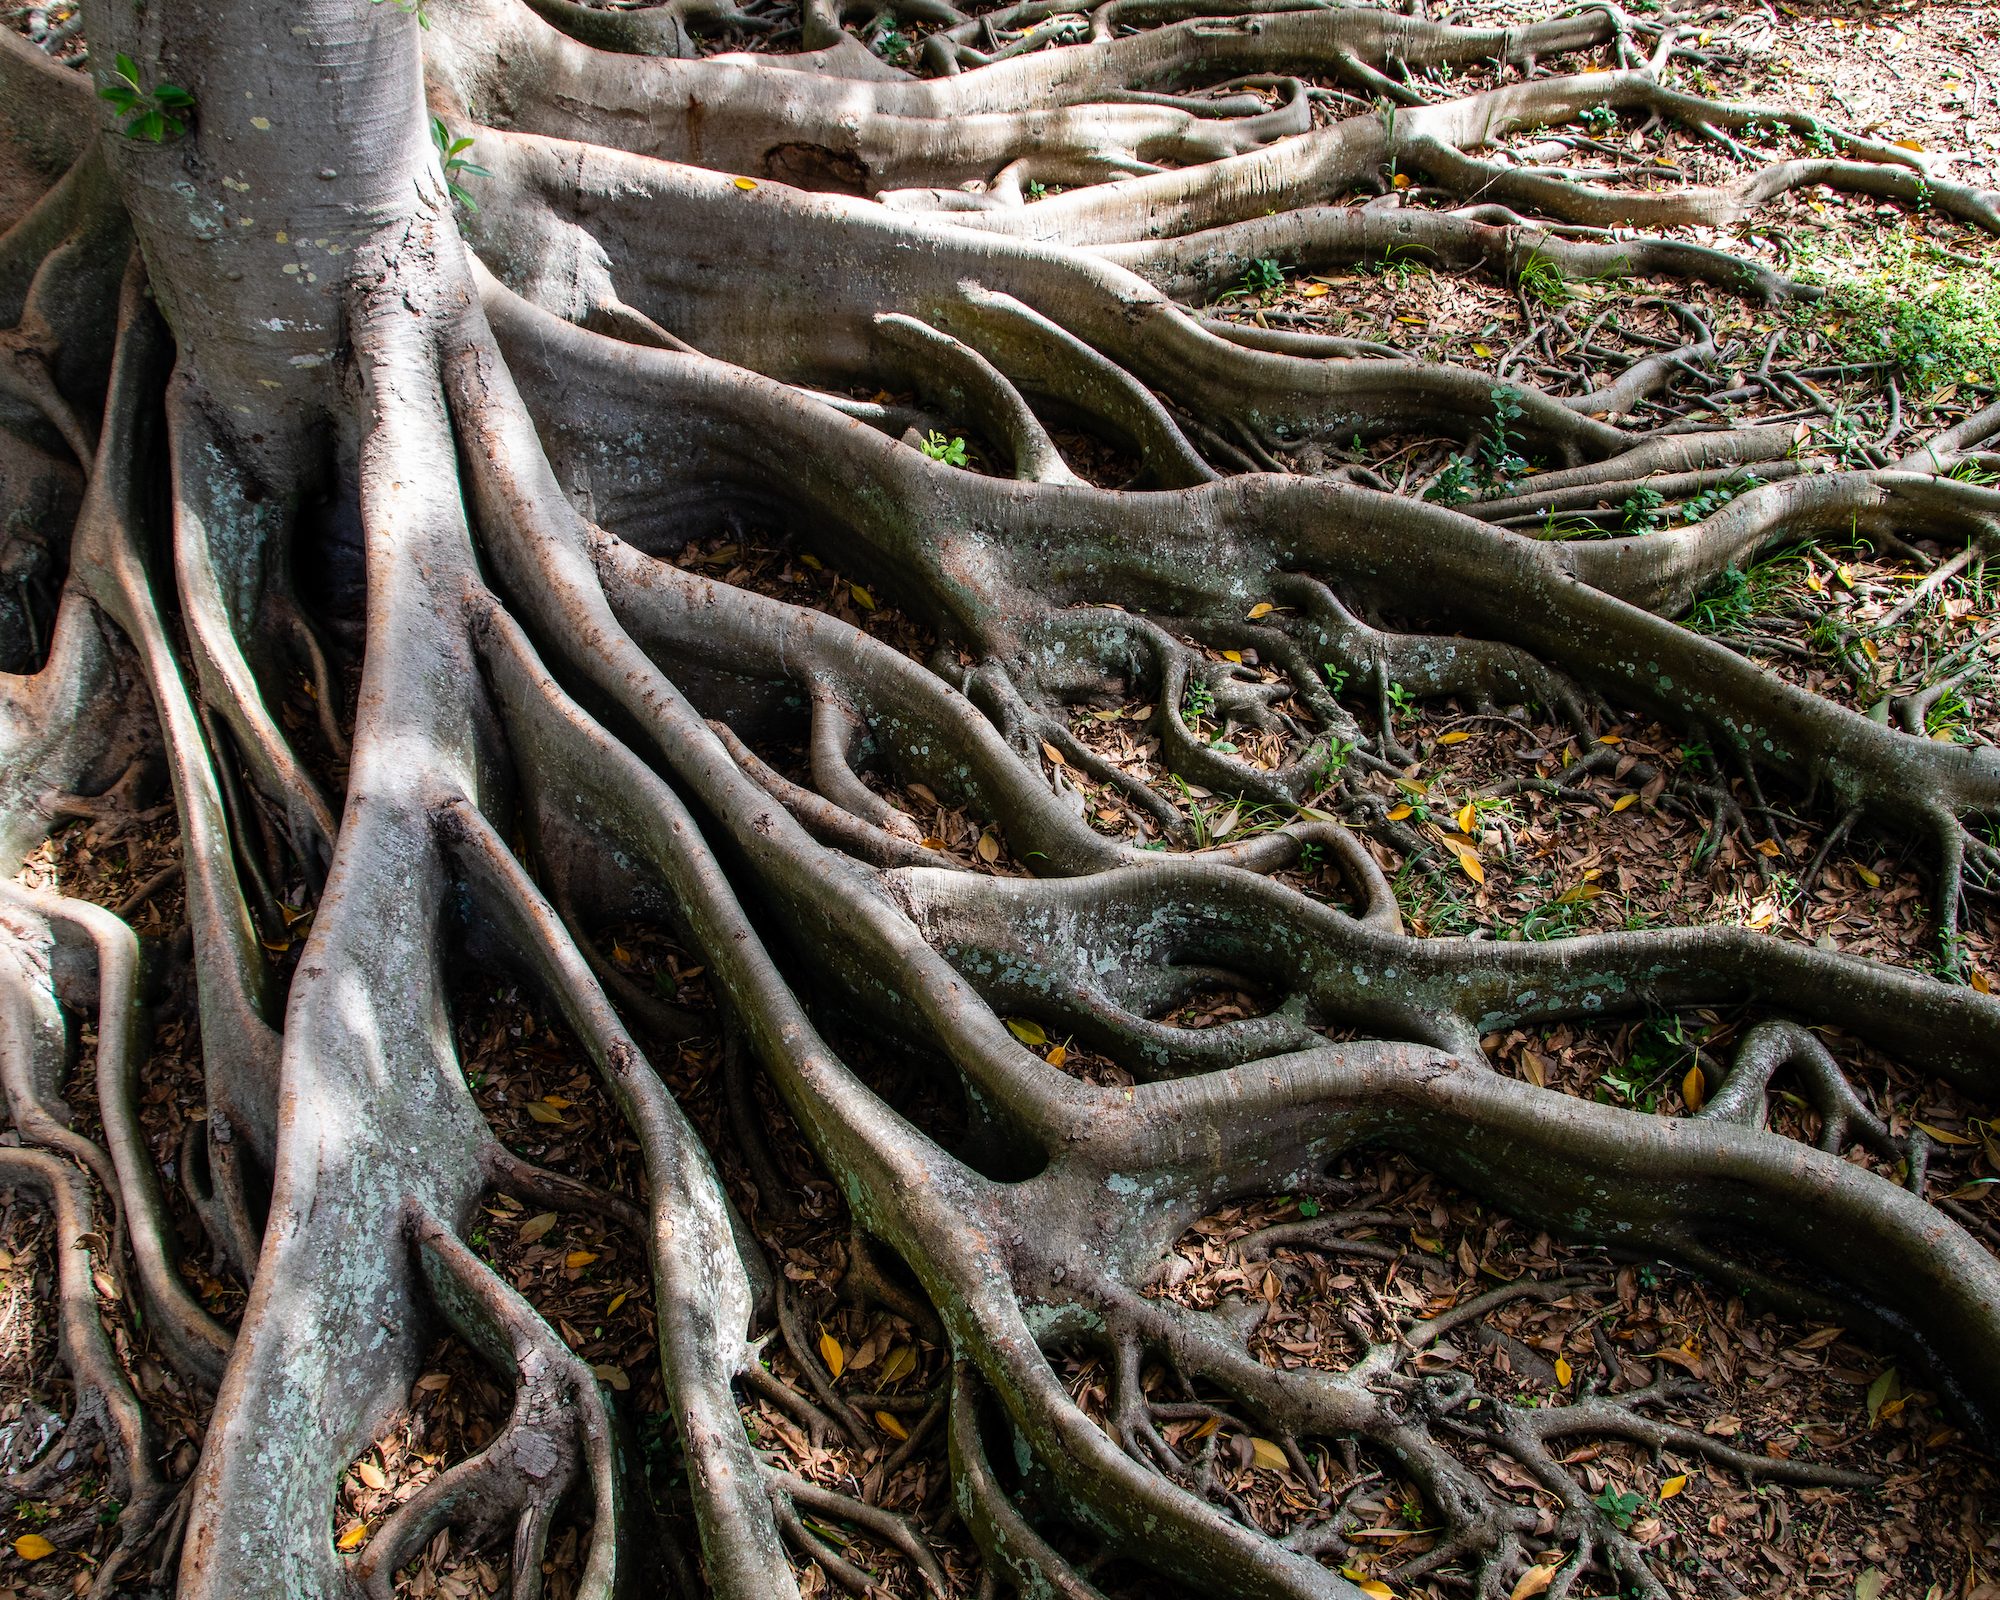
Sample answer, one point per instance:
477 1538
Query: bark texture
494 425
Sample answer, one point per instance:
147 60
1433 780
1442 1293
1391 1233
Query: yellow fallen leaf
620 954
1767 847
1057 1056
831 1352
1468 861
1624 802
808 560
1868 875
1673 1486
1909 144
371 1475
1943 1137
1026 1031
888 1423
33 1547
862 597
899 1364
579 1258
1400 181
1484 352
1814 583
1564 1372
1456 736
1233 655
1534 1581
560 1102
1845 574
1979 981
1263 608
1694 1088
616 1301
536 1226
542 1111
1467 818
746 183
1265 1454
352 1537
1399 813
1415 322
1313 291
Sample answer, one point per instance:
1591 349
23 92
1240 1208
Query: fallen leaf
1871 1584
862 597
989 848
888 1423
1868 876
1535 1580
1694 1088
1909 144
1482 351
1881 1392
1979 981
1263 608
1233 655
579 1258
371 1474
1467 818
1673 1486
832 1353
1456 736
542 1111
1265 1454
352 1537
535 1227
1057 1056
1313 291
1399 813
615 1376
1055 756
1027 1031
1564 1372
1943 1137
33 1547
746 184
1768 847
1624 802
900 1363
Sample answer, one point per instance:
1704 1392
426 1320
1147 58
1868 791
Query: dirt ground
1507 833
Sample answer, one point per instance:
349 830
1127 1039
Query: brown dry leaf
1535 1580
1534 1069
536 1226
615 1376
1943 1137
833 1353
989 848
371 1475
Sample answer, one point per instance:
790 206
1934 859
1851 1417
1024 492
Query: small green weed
152 116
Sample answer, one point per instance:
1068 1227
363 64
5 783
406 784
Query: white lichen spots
1122 1183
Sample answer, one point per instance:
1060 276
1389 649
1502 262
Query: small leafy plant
1621 1506
452 157
950 451
416 8
152 116
1262 276
1599 119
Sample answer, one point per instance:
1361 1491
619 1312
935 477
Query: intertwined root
556 722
